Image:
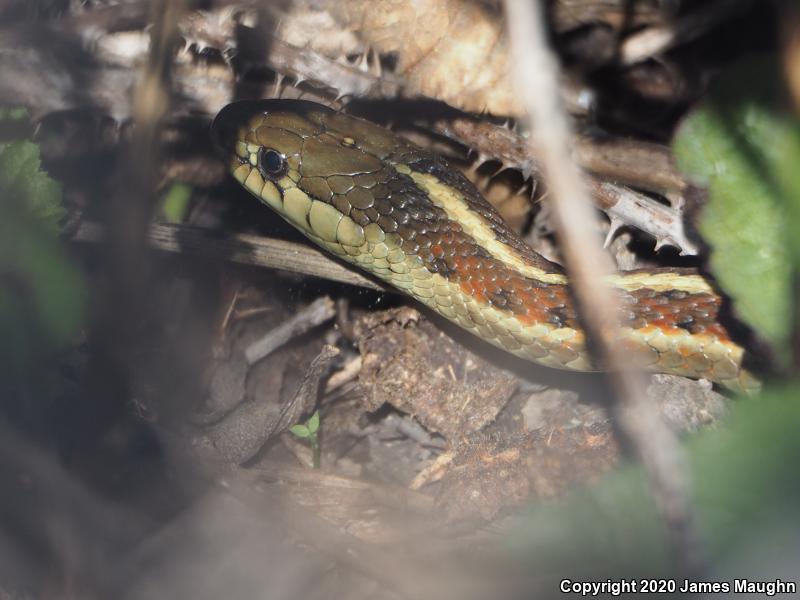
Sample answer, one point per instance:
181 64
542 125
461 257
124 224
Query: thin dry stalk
237 248
122 282
535 70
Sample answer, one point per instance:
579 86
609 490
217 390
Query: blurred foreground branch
536 75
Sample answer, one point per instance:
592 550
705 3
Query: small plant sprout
309 431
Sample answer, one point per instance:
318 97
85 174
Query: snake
404 215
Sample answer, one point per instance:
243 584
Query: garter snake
404 215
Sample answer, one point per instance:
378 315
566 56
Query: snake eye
271 163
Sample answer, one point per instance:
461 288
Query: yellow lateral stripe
661 282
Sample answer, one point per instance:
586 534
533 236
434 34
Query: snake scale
404 215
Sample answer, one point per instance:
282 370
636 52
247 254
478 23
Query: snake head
276 145
324 172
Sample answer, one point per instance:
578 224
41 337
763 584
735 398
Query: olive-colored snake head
327 173
309 163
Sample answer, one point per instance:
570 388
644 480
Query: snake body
404 215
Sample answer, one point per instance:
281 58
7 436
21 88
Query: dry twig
316 313
239 248
644 165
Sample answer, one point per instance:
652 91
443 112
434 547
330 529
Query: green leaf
789 178
23 182
42 296
13 114
176 203
313 422
300 431
743 146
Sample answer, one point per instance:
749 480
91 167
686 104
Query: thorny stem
536 77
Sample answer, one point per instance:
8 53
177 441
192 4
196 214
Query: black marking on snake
688 324
559 316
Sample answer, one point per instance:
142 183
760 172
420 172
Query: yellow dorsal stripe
474 225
